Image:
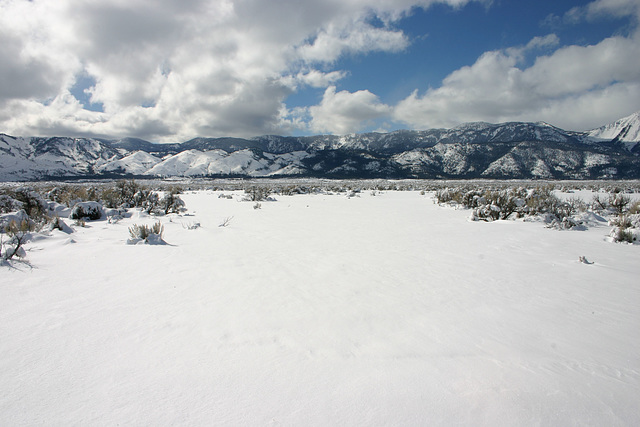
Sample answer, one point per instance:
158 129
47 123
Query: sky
171 70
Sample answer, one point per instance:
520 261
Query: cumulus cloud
358 36
173 69
565 87
345 112
169 70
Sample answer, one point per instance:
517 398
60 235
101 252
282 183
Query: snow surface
322 310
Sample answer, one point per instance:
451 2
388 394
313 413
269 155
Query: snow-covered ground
322 310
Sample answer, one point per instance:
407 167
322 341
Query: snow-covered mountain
37 158
472 150
625 131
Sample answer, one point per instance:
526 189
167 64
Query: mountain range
514 150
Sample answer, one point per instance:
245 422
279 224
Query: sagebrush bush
32 203
257 193
17 235
87 210
171 203
71 195
143 232
9 204
622 235
499 204
619 202
122 194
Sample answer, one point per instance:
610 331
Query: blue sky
169 70
445 39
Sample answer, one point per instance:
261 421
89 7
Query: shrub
598 203
149 201
17 217
32 203
123 194
18 234
88 210
9 204
626 228
257 193
171 203
619 202
71 195
58 224
146 234
622 235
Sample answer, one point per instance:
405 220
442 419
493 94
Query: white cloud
354 37
170 70
173 69
561 88
596 10
619 8
345 112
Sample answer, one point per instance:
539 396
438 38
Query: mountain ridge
508 150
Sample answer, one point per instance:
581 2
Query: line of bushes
24 210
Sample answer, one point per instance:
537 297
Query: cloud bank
169 70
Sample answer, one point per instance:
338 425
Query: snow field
322 310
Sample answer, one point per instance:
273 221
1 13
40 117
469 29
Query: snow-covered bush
122 195
517 202
14 217
146 234
257 193
171 203
16 234
9 204
58 224
31 202
448 195
616 203
626 228
87 210
599 203
70 195
151 202
619 202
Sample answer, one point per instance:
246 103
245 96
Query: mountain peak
626 130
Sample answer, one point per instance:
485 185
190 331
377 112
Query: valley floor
322 310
